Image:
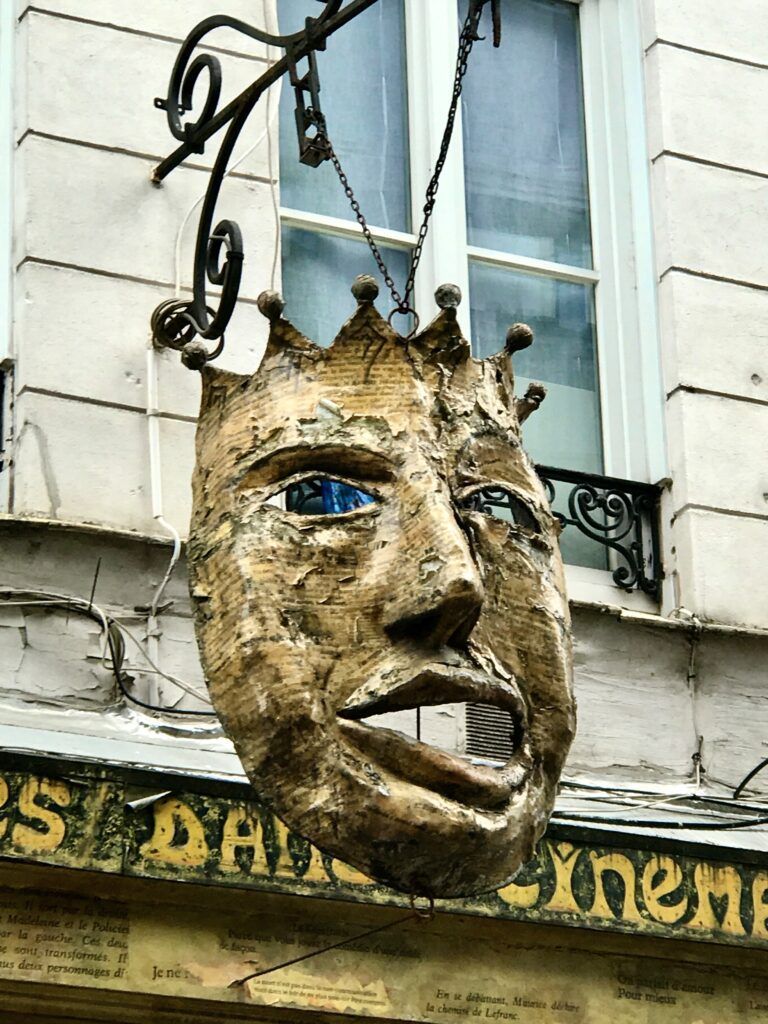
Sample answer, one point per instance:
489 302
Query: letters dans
656 892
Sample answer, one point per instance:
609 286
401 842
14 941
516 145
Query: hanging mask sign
368 536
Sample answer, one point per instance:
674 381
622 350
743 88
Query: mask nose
438 599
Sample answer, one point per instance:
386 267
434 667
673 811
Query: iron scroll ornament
620 515
219 254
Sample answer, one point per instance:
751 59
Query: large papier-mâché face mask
344 565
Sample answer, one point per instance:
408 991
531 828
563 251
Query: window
542 214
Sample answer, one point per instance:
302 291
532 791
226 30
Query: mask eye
502 504
321 496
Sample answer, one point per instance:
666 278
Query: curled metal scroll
620 515
218 259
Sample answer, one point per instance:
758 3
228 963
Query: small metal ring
429 913
409 312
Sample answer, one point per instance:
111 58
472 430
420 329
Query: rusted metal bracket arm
184 76
475 13
181 323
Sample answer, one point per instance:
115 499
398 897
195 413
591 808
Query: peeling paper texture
326 634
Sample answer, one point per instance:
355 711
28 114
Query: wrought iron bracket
620 515
180 323
313 149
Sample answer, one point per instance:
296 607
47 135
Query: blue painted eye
320 496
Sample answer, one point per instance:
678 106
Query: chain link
402 302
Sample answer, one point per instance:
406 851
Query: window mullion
432 40
343 228
602 187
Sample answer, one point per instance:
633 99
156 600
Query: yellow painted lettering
242 831
617 864
32 840
721 882
178 837
564 858
286 866
4 794
760 905
523 896
348 875
670 878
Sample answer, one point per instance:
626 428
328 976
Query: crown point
364 288
448 296
519 336
194 355
271 305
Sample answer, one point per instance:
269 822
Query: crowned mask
346 563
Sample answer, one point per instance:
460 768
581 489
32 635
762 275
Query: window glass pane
524 145
318 271
565 432
363 97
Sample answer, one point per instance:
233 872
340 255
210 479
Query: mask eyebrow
335 459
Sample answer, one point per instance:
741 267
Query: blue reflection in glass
318 270
364 99
321 496
338 497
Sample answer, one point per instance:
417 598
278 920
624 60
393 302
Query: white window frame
630 383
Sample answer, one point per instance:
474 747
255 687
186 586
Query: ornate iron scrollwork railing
620 515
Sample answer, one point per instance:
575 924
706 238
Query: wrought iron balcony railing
610 524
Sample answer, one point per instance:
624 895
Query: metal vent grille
489 732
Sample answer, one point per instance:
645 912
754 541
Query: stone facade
94 254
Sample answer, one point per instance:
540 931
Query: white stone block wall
707 93
95 253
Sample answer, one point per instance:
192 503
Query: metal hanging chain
467 39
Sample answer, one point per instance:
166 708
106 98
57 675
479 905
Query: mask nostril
446 619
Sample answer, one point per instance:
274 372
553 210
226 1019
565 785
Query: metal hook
424 915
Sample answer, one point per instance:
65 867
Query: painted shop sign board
441 971
110 826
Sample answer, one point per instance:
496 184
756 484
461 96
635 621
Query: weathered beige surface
309 625
437 972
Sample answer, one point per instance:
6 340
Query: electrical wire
640 806
602 794
748 777
114 632
415 916
155 670
708 826
611 815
